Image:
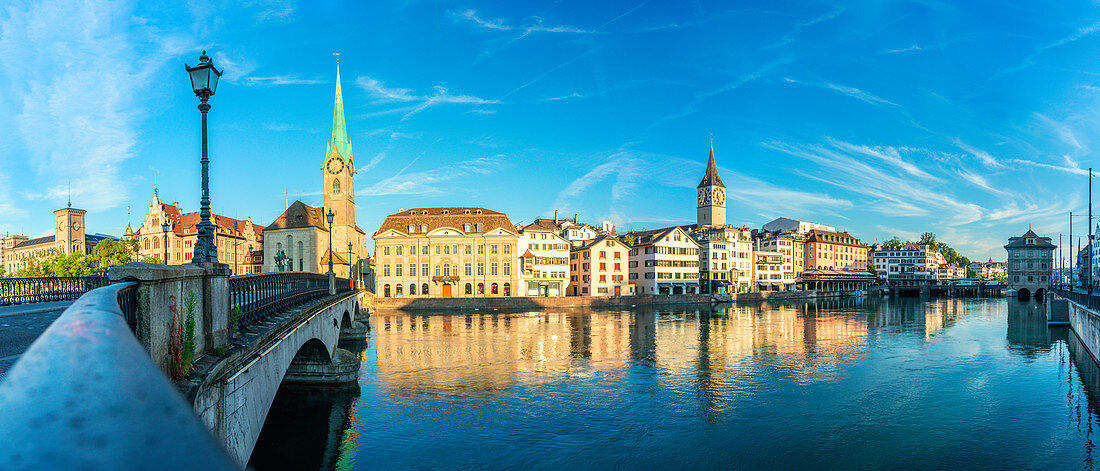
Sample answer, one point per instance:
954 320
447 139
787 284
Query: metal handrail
1090 301
47 288
86 395
254 298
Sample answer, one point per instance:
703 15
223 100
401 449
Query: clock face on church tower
335 165
704 197
719 197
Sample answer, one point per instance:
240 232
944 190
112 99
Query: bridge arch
236 395
1040 294
1023 294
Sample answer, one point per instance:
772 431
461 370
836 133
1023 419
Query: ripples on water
898 383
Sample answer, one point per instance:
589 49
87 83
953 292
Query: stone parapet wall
519 302
1086 324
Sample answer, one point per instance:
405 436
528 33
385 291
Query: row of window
399 290
447 249
446 269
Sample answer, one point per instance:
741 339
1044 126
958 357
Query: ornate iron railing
253 298
47 288
127 303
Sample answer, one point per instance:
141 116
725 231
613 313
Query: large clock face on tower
335 165
719 197
704 197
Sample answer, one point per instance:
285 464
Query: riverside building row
475 251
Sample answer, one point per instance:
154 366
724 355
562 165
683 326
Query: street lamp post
204 81
234 253
331 274
351 274
164 227
249 259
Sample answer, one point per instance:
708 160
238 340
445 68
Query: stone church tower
69 235
338 170
712 198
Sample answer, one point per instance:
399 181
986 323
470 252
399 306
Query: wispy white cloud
440 95
904 49
77 124
280 80
538 26
798 27
430 182
984 157
886 189
845 90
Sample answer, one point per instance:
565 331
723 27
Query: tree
893 244
971 273
871 269
928 238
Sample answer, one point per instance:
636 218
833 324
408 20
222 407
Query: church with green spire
298 239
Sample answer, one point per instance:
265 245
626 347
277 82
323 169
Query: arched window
156 243
446 269
469 289
398 290
336 187
424 289
481 288
412 289
301 257
493 288
146 243
386 291
507 289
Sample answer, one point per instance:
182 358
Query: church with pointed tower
711 209
298 240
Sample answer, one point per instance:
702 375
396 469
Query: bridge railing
47 288
86 395
254 298
1091 301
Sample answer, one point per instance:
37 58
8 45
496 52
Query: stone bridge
251 334
232 395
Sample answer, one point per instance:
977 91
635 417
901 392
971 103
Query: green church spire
339 139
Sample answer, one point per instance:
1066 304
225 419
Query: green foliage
234 320
218 352
971 273
188 353
949 254
893 244
871 269
107 253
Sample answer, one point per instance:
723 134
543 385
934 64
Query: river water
849 384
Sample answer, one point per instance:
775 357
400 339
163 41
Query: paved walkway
20 325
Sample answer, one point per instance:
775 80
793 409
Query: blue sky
970 119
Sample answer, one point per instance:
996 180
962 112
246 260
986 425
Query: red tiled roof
453 217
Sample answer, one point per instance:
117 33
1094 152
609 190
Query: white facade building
795 225
544 263
910 265
664 261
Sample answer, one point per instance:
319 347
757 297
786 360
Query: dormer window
1031 242
478 211
466 211
479 227
446 211
412 228
423 228
466 227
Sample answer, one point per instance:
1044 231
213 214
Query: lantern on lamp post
204 81
164 227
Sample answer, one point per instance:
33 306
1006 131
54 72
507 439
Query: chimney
176 204
575 218
555 216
